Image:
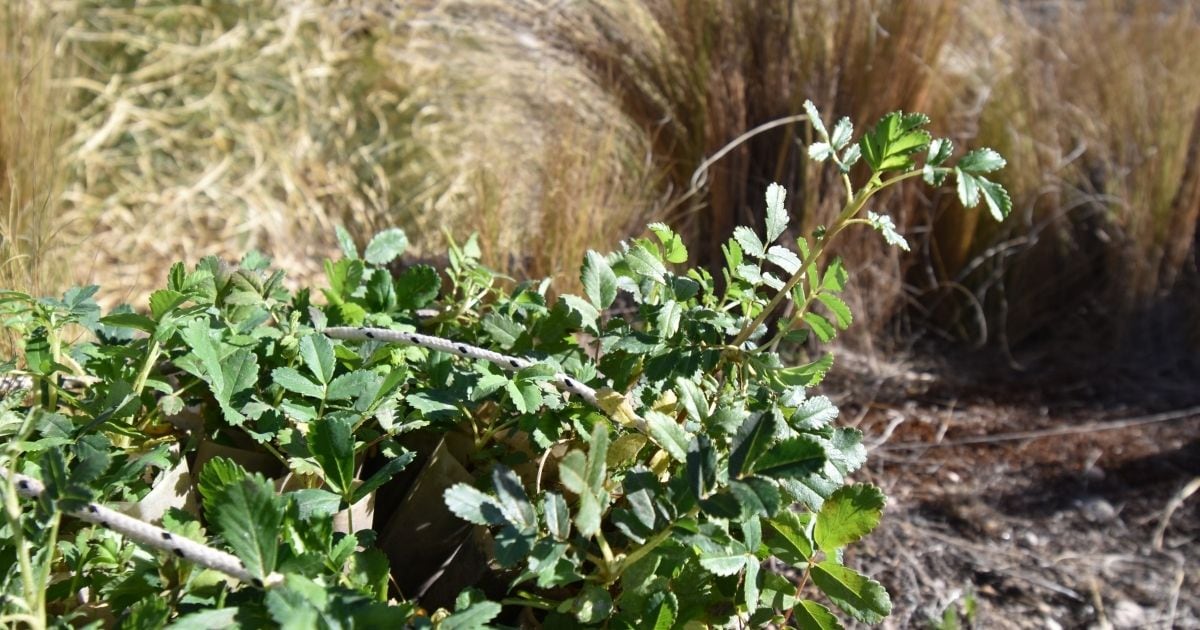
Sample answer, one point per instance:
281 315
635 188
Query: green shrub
631 457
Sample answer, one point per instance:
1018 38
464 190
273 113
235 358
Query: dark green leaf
820 326
794 457
249 516
382 476
811 615
129 320
701 466
350 385
593 605
725 558
841 312
752 440
417 287
572 471
331 442
513 500
997 199
554 512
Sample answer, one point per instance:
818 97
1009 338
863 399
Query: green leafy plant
659 468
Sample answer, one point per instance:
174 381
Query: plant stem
32 594
147 365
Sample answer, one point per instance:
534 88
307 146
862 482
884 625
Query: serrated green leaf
820 326
813 414
587 516
346 242
692 399
793 457
981 161
470 504
249 516
386 246
295 382
753 439
331 441
554 512
136 321
811 615
851 513
820 151
644 262
317 352
940 150
351 385
598 280
884 224
859 596
668 434
814 119
967 188
674 250
163 301
777 215
701 466
476 617
512 499
997 199
216 474
597 459
572 471
842 131
749 241
721 559
417 287
841 312
587 313
785 258
669 316
382 476
788 537
835 276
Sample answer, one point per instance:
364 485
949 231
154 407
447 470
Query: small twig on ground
1177 500
1191 413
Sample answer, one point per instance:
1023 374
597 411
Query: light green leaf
820 326
842 131
554 512
593 605
981 161
673 249
163 301
644 262
317 352
749 241
940 150
346 242
997 199
249 516
668 434
784 257
587 516
475 617
469 503
692 399
851 513
598 280
332 444
840 310
835 276
351 385
572 471
386 246
859 596
721 559
597 459
788 537
668 319
884 225
295 382
587 313
777 215
814 119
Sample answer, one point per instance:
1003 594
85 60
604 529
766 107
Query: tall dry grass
554 127
30 151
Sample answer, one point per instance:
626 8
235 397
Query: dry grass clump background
136 134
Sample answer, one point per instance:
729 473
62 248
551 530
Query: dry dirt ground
1048 503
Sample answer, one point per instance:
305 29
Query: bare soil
1051 503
